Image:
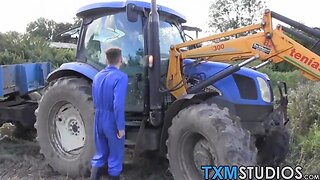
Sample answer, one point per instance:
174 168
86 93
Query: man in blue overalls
109 91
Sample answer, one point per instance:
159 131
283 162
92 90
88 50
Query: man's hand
120 134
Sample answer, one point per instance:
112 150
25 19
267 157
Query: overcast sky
16 14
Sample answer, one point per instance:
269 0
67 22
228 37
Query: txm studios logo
255 172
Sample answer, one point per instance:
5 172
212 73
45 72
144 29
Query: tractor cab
124 24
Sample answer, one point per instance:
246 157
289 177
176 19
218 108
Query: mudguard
73 68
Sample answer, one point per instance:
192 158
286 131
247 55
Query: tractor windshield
113 31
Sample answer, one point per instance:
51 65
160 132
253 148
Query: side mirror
132 14
190 28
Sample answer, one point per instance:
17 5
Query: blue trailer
19 92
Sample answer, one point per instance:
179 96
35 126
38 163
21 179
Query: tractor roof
91 8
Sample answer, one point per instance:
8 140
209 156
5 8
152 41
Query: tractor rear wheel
206 135
64 126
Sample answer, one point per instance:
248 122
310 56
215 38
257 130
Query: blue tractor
230 121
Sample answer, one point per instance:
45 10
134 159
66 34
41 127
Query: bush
18 48
305 107
304 113
284 67
308 150
291 78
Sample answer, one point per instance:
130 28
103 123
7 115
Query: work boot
113 177
95 173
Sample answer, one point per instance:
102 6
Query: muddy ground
20 159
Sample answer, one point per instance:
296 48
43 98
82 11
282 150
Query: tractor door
115 30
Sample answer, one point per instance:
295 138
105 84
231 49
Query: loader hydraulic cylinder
303 37
261 65
302 27
299 35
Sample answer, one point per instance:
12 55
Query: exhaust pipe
154 50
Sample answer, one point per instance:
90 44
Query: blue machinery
18 86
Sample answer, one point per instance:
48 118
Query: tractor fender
173 110
71 69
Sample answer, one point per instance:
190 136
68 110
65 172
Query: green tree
60 27
41 28
49 29
11 48
231 14
76 21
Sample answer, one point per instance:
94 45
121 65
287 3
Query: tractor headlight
264 89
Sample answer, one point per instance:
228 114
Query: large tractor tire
206 135
65 117
273 149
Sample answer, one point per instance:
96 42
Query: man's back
103 88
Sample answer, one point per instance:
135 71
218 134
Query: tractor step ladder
130 145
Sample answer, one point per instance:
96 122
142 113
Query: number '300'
218 47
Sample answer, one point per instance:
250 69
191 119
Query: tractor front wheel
206 135
274 148
65 124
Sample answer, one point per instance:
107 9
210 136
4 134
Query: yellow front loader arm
268 44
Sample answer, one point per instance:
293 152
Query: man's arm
120 91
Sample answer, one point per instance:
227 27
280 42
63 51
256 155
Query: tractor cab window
114 31
169 34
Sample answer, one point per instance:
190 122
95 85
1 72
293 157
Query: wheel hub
74 127
69 133
203 154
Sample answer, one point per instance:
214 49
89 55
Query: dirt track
20 159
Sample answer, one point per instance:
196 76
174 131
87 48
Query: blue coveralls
109 91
